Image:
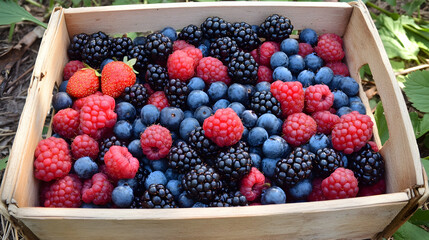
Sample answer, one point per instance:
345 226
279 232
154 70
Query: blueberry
340 99
135 148
257 136
282 74
196 83
349 86
313 62
250 89
122 196
123 130
84 167
343 111
132 183
197 98
301 190
318 141
221 103
126 111
140 41
149 114
270 123
155 177
186 126
146 162
249 118
306 78
237 107
256 160
63 86
171 117
245 134
296 64
324 76
184 201
279 59
263 86
202 113
345 159
170 33
217 90
175 187
104 63
256 150
170 174
188 114
159 165
269 166
354 99
204 49
309 36
238 93
138 128
275 147
199 205
61 100
273 195
335 83
358 106
289 46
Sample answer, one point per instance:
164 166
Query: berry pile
217 115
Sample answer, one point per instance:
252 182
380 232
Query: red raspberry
84 146
78 104
298 128
211 70
266 50
252 184
331 35
255 56
317 192
120 163
52 159
97 115
352 132
181 44
64 193
71 67
376 189
290 95
329 50
318 98
66 123
339 68
180 66
159 100
325 121
156 142
97 190
224 127
265 74
194 53
374 146
342 183
304 49
149 89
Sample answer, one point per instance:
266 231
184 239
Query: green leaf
76 3
421 217
410 231
380 120
87 3
124 2
11 12
425 163
397 65
3 162
417 89
420 125
391 2
412 6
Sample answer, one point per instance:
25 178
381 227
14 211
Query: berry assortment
217 115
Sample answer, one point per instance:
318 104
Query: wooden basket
362 217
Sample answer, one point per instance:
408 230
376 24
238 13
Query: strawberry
83 83
115 77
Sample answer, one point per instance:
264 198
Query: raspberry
52 159
64 192
159 100
340 184
290 95
97 116
376 189
71 67
266 50
78 104
352 132
252 184
298 128
255 55
194 53
120 163
83 83
181 44
149 89
224 127
66 123
156 142
325 121
211 70
374 146
339 68
265 74
318 98
329 49
317 192
180 66
84 146
331 35
304 49
97 190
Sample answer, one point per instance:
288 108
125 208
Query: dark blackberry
191 34
245 37
204 146
202 183
137 203
158 196
367 165
140 178
326 161
275 28
241 144
223 48
264 102
106 144
233 163
215 27
229 199
157 77
136 95
177 93
158 47
243 68
295 168
138 52
97 49
77 46
183 158
120 47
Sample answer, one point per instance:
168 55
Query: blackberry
367 165
137 203
191 34
106 144
140 178
158 47
216 27
138 52
233 163
275 28
77 45
157 77
120 47
158 196
264 102
177 93
326 161
223 48
241 144
183 158
229 199
136 95
243 68
202 183
295 168
204 146
245 37
97 49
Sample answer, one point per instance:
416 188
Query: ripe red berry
252 184
159 100
298 128
376 189
180 66
317 192
211 70
339 68
318 98
115 77
331 35
255 55
120 163
266 50
156 142
290 95
83 83
97 190
265 74
71 67
325 121
194 53
329 49
64 193
66 122
305 49
181 44
224 127
340 184
84 146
